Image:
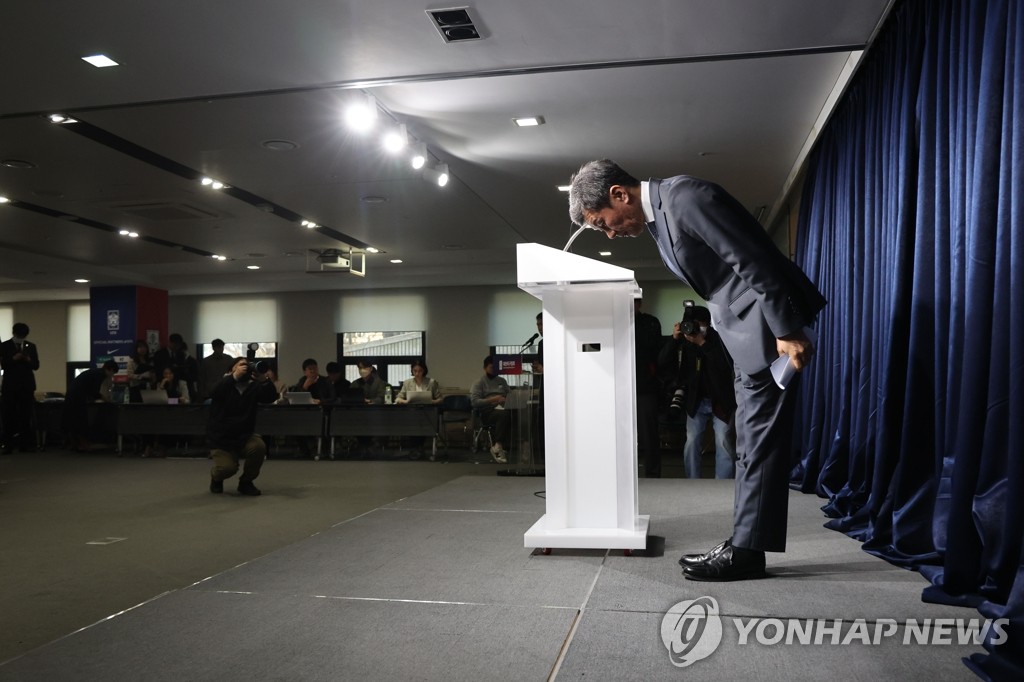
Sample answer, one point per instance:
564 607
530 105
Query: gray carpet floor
436 585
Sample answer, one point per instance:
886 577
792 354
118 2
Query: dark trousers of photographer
225 462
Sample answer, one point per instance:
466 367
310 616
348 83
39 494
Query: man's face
623 217
312 371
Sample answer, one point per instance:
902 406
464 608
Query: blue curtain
912 225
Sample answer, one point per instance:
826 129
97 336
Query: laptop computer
154 396
419 397
299 397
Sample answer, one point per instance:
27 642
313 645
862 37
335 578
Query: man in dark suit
19 360
760 303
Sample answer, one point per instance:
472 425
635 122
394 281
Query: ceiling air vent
166 211
454 24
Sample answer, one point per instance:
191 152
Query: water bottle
387 394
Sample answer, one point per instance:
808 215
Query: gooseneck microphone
531 339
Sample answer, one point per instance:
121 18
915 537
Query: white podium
589 401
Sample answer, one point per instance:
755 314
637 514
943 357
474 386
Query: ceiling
733 91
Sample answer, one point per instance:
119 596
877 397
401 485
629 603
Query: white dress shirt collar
645 200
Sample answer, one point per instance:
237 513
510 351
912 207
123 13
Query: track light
418 157
396 139
310 224
4 200
361 115
212 184
438 174
61 119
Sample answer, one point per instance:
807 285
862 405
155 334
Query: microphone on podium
531 340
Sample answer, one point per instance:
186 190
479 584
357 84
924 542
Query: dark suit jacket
754 292
19 375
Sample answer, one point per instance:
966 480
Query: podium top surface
539 267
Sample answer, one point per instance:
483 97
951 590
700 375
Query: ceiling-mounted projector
335 260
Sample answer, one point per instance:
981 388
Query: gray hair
588 189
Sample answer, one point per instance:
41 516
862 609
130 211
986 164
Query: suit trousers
764 436
16 408
225 462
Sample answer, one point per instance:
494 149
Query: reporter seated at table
488 397
336 375
419 382
370 382
319 388
176 388
279 384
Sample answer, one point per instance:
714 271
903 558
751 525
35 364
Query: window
383 350
239 349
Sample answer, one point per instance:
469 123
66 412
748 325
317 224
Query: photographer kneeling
233 404
703 371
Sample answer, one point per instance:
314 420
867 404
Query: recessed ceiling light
373 199
4 200
61 119
564 188
279 145
604 253
252 267
396 260
17 163
529 121
452 247
370 249
100 61
82 281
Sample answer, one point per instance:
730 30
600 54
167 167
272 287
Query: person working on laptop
419 389
233 403
318 387
426 390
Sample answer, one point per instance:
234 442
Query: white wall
461 323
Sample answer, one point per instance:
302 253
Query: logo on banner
113 320
508 364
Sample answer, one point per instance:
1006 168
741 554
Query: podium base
587 538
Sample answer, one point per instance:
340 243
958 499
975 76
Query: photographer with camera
233 404
703 371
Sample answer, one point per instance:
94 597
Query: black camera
689 327
255 366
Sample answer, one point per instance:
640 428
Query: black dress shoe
216 486
694 559
732 563
247 488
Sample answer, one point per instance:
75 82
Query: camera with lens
689 327
255 366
